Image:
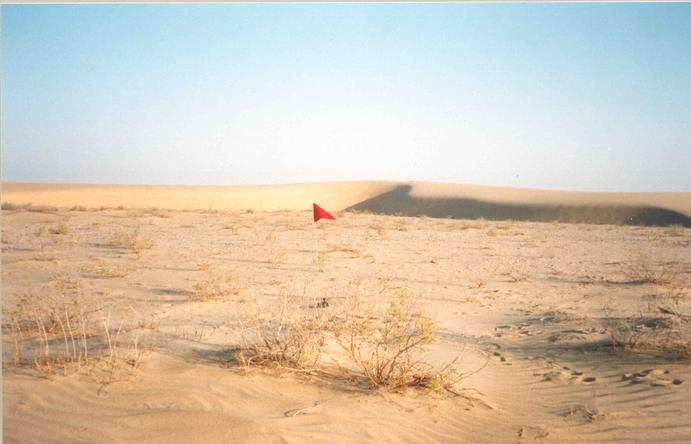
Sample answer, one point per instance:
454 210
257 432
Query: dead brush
117 362
130 239
645 270
215 287
282 337
29 207
676 230
382 232
277 258
661 326
60 229
383 348
55 328
106 271
65 331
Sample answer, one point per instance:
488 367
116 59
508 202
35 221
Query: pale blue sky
577 96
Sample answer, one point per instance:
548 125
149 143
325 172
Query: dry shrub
283 336
661 326
277 258
215 287
104 270
60 229
382 347
676 230
130 239
645 270
203 265
28 207
158 212
383 232
64 330
8 206
386 347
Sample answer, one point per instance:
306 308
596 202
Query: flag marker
319 213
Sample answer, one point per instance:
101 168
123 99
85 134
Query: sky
583 96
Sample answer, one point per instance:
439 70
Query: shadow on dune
399 202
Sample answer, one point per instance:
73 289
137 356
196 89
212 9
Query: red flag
320 213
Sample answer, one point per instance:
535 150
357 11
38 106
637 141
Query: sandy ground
530 294
531 300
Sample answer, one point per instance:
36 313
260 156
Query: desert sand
531 289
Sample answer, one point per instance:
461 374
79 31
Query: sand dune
410 199
294 197
473 202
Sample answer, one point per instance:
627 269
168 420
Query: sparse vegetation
663 325
676 230
382 232
215 287
8 206
104 270
644 270
131 239
383 348
283 337
65 331
60 229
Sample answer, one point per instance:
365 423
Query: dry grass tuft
102 270
130 239
663 325
214 288
283 337
676 230
65 331
382 232
29 207
60 229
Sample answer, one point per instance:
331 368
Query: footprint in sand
566 375
501 358
656 377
